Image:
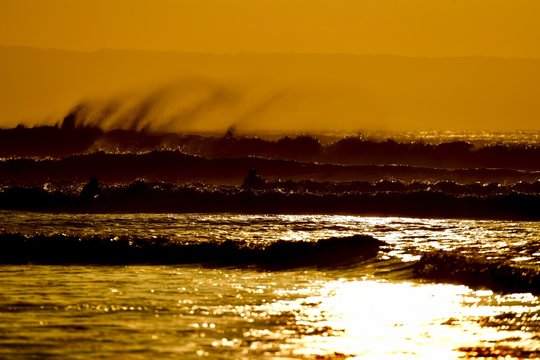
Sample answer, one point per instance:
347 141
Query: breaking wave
71 138
498 276
63 249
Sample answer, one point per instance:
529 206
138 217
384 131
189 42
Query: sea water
375 308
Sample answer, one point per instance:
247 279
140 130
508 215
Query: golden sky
401 27
424 84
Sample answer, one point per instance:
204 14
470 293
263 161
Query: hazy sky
403 27
285 92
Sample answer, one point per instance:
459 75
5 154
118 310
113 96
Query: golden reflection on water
373 311
372 319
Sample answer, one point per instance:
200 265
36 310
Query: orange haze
507 28
273 65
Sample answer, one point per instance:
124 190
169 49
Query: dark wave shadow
62 249
442 266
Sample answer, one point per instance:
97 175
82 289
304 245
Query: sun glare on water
377 320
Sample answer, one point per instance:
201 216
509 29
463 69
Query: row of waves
179 167
302 186
70 138
335 252
160 198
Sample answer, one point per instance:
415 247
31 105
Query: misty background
197 92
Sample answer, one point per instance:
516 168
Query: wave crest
477 273
63 249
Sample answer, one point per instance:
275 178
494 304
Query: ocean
196 285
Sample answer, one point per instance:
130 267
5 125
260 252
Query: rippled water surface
375 309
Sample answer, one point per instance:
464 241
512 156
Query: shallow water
374 309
